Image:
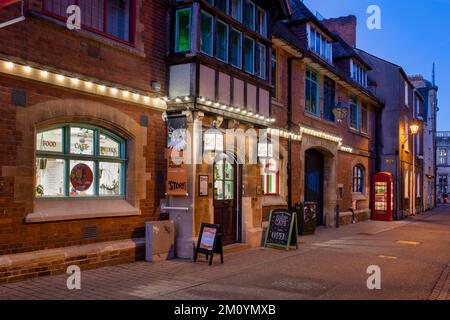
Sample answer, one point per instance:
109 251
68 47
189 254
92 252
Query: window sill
359 133
273 200
317 117
62 210
358 196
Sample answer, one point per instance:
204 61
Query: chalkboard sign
209 242
282 230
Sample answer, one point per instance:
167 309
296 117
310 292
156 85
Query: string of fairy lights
135 96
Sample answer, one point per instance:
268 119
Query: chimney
345 27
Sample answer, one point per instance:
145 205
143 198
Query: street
413 256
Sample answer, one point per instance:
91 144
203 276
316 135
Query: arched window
358 179
79 161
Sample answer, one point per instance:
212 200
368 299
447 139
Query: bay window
249 55
206 33
262 22
222 41
319 43
78 161
262 61
358 179
249 14
222 5
270 176
183 30
112 18
236 48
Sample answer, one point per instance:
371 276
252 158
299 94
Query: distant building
428 90
443 166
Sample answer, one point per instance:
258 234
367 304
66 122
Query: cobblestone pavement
413 256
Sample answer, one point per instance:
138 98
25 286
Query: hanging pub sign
177 177
209 242
282 230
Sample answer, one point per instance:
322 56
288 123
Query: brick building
80 113
333 162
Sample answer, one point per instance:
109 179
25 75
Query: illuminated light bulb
9 65
237 110
88 84
230 108
250 114
146 99
44 74
202 99
216 104
209 102
186 98
27 69
224 107
74 81
136 96
272 120
244 111
166 99
60 77
177 100
126 93
102 88
113 91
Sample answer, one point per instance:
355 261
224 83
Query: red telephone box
383 196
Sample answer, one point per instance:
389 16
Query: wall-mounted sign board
282 230
209 242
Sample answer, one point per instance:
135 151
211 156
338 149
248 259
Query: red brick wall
344 26
46 41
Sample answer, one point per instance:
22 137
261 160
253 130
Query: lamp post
414 129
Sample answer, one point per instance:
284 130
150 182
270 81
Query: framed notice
203 181
209 242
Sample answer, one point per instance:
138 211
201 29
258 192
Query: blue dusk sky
414 34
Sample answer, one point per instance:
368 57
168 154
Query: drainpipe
290 102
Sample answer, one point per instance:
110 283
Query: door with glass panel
225 199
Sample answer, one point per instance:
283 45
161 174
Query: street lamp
414 128
340 111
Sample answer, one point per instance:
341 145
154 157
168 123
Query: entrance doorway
227 198
314 169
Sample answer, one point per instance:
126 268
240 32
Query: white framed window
183 30
206 33
319 43
222 41
262 22
237 9
236 48
262 61
249 55
249 14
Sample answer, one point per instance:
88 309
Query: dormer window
358 73
319 43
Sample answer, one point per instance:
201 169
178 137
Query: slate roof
342 50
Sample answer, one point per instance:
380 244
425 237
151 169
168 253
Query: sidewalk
182 279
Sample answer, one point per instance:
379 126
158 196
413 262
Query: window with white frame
364 122
249 55
236 48
262 61
358 73
358 179
319 43
222 41
79 161
443 156
206 33
270 176
237 9
249 14
262 22
183 30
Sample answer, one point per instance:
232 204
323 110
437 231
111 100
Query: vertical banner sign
176 170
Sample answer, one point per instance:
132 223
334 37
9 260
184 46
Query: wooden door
314 166
225 199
